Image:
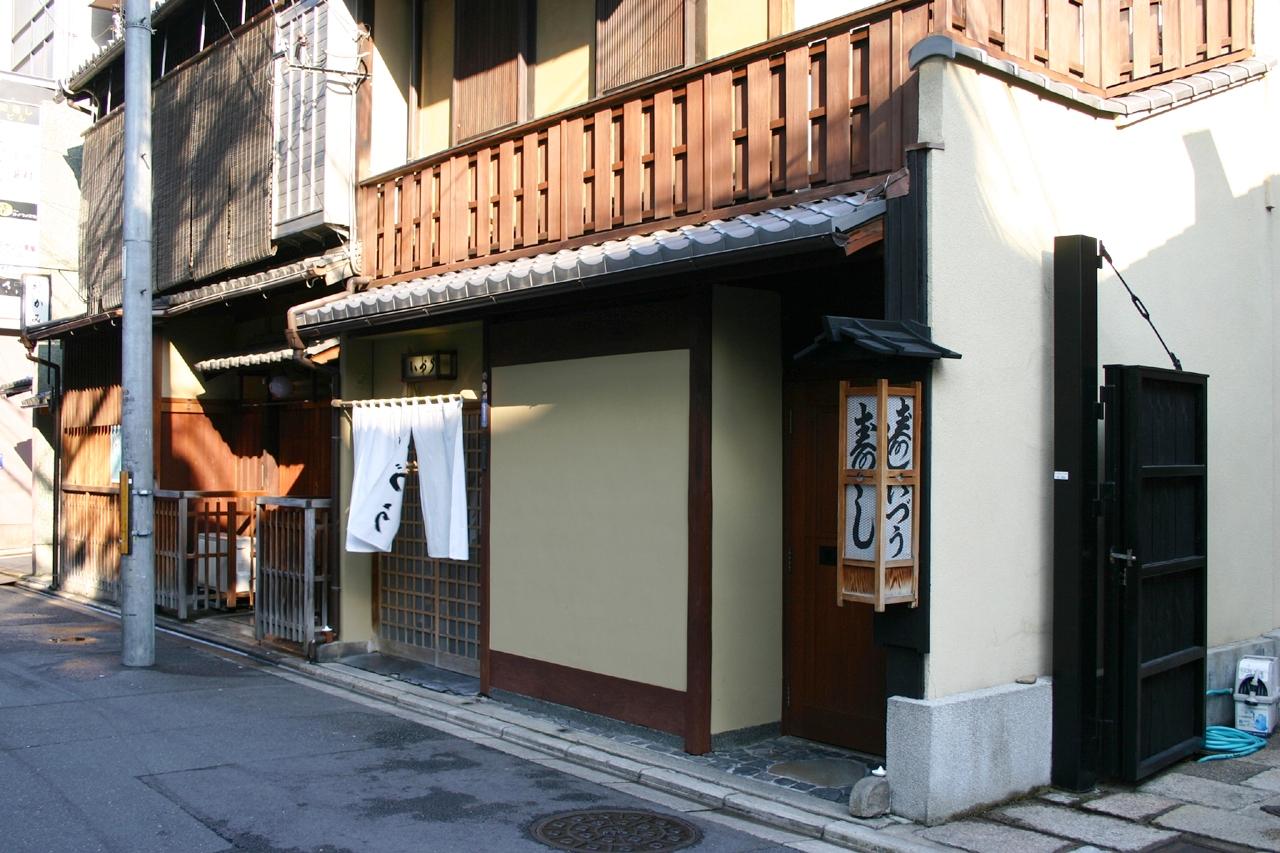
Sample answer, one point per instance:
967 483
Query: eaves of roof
260 358
773 232
333 268
1133 106
109 51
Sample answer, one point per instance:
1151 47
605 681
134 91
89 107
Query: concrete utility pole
137 560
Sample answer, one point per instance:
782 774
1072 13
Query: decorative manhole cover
69 640
614 831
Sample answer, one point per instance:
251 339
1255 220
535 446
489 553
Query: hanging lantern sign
879 484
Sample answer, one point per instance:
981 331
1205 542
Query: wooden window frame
694 49
524 54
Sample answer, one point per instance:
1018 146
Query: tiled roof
333 267
715 242
255 359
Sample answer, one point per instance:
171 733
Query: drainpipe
55 406
335 484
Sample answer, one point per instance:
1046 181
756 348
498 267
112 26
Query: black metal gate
1155 582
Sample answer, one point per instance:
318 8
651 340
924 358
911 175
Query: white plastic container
1257 690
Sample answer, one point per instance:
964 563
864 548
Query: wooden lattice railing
292 577
1107 47
821 109
203 547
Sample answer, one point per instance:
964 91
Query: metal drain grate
614 831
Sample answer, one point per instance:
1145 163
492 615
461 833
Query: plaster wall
15 451
589 514
810 12
1180 200
746 491
371 369
564 33
391 61
735 24
434 118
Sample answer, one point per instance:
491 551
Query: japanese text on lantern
879 482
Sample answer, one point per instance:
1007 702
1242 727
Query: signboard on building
19 186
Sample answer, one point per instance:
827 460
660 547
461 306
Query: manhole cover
614 831
69 640
823 772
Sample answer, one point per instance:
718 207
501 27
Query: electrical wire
1142 309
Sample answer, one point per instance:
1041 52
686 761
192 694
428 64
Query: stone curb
770 805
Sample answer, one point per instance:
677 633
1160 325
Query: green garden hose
1226 742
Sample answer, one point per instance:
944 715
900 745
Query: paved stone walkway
1231 805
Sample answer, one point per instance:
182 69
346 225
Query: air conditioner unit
313 119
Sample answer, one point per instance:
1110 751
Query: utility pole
137 559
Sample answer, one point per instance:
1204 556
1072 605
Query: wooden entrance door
835 672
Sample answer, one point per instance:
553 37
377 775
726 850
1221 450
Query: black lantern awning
851 337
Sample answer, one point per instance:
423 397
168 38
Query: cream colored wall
391 61
1180 201
15 450
437 77
735 24
371 368
357 372
589 514
562 73
746 493
810 12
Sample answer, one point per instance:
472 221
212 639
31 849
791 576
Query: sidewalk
1221 805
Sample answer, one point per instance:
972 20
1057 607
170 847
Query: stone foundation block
947 756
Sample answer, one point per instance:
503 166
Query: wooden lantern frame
879 582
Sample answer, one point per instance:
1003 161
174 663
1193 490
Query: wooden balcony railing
1107 47
826 108
792 114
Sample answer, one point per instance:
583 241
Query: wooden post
180 558
308 579
258 600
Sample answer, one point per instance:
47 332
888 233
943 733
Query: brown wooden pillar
697 721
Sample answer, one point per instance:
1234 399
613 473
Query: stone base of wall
951 755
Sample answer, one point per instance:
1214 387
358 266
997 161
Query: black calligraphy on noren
863 454
899 450
385 515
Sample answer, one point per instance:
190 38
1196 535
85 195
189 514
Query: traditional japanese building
751 312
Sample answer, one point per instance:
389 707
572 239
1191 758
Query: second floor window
636 39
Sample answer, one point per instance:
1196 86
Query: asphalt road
210 752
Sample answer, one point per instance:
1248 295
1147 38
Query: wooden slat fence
816 109
292 577
89 556
1107 47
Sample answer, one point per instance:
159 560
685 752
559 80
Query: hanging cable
1142 309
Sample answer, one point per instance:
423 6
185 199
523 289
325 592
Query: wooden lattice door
429 609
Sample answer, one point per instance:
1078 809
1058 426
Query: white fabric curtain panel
381 438
442 474
381 434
